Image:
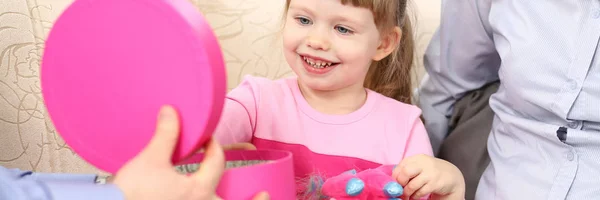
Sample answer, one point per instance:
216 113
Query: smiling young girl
348 107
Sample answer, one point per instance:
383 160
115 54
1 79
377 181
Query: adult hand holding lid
110 65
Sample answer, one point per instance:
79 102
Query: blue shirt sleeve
24 185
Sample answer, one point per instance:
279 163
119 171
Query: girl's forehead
325 4
332 9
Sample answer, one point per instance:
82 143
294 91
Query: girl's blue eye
303 21
343 30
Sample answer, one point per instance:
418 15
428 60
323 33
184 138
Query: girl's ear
388 43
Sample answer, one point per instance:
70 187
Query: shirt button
596 14
573 125
570 156
572 84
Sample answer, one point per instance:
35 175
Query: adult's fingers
240 146
162 145
261 196
236 146
217 197
212 167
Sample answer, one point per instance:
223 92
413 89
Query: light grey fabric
466 145
545 53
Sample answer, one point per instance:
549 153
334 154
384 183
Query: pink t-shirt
274 115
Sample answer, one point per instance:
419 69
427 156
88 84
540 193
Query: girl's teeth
316 64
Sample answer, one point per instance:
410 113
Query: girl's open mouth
318 64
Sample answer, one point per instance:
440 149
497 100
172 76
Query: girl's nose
318 42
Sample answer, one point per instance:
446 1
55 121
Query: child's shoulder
394 107
263 82
266 85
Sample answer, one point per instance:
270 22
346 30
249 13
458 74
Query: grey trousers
466 144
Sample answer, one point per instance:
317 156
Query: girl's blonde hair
391 75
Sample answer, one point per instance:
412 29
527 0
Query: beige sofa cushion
247 30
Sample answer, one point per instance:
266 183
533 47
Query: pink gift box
275 175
